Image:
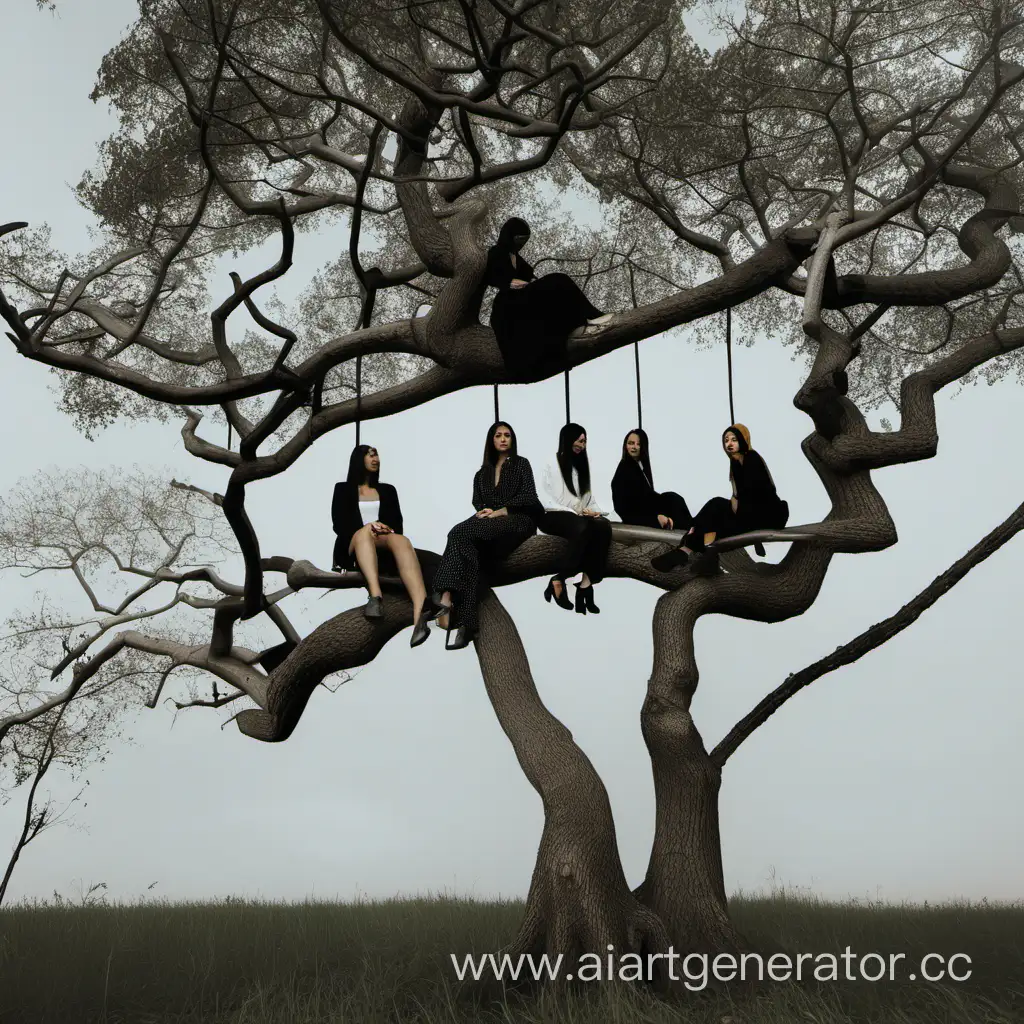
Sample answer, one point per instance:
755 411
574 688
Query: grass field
313 963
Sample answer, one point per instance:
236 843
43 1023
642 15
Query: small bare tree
842 175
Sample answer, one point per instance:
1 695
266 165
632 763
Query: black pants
717 516
589 538
668 504
468 542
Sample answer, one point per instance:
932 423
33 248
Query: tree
842 175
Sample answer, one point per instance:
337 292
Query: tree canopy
843 175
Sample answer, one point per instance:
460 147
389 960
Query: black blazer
347 520
633 498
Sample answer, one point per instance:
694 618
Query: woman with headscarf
532 317
571 512
507 512
368 521
754 505
633 495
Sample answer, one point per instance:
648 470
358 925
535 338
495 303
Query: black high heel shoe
464 636
562 599
585 600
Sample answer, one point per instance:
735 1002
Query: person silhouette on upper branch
532 316
754 505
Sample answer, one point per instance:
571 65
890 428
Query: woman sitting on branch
368 520
532 317
507 512
633 495
572 513
755 504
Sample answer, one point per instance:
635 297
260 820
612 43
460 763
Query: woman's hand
380 528
491 513
518 282
664 522
590 512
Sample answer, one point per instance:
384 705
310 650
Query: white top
560 498
370 511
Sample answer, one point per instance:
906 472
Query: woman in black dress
571 512
755 504
532 317
368 519
633 495
507 512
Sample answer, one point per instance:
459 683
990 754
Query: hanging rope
359 393
639 401
728 354
497 415
229 435
568 418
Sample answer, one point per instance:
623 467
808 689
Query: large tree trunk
578 901
685 885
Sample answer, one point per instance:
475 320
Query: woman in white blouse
571 512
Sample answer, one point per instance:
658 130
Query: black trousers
589 539
717 516
469 541
668 504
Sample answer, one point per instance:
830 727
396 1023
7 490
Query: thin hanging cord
229 435
359 393
639 401
568 418
728 353
496 414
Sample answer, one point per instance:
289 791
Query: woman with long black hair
507 512
368 521
571 512
754 505
633 495
532 317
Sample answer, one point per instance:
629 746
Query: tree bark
578 900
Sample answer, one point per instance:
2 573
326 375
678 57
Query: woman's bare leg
408 569
364 548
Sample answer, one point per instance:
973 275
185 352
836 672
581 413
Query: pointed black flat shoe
670 560
420 632
562 599
374 608
759 548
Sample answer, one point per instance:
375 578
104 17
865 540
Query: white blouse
370 511
560 498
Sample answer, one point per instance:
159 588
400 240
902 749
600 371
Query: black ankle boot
585 596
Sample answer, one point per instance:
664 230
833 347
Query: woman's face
502 439
633 446
731 443
579 445
371 460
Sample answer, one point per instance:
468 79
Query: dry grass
257 963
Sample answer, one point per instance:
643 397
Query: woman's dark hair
741 440
490 452
568 460
645 453
357 471
513 227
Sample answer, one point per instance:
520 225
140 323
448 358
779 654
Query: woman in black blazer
507 512
367 518
633 495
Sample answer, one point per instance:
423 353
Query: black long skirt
533 323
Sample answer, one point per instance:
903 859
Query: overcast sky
897 778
